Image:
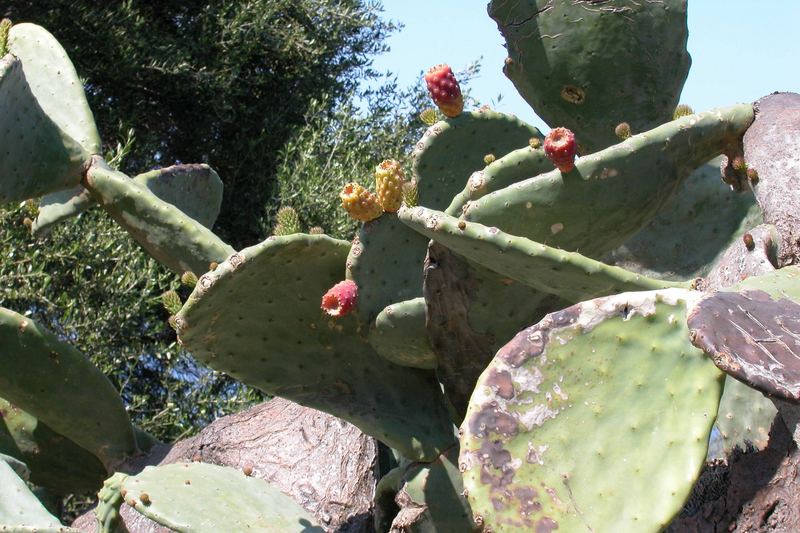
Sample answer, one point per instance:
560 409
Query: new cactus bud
189 279
682 110
444 89
389 179
623 130
340 299
360 203
172 302
410 194
560 148
5 26
27 222
316 230
428 116
535 143
489 159
288 222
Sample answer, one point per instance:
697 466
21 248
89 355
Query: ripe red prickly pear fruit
340 299
560 148
444 89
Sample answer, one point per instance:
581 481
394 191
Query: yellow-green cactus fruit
389 179
360 203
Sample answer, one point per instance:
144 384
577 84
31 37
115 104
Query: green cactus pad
612 194
471 313
451 150
692 230
507 170
744 418
589 67
165 232
431 498
194 189
595 419
54 83
398 335
20 510
257 317
58 385
60 205
568 275
55 462
38 157
206 498
385 261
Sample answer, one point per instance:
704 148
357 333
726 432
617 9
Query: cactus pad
471 313
451 150
194 189
595 419
237 320
399 336
590 65
612 194
200 497
753 334
60 386
515 166
385 261
60 205
431 499
20 510
744 418
568 275
170 236
55 462
38 156
692 230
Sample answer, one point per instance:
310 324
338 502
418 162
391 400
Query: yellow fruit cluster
389 179
360 203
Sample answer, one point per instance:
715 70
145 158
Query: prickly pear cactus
621 369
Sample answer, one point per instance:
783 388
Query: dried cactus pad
753 334
257 317
206 498
597 402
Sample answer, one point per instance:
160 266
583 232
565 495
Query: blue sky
741 50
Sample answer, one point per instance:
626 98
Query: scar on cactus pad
444 89
340 299
560 148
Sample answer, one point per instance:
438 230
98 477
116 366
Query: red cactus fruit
341 298
444 89
560 148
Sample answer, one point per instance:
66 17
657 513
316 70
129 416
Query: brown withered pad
752 337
